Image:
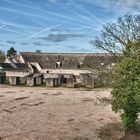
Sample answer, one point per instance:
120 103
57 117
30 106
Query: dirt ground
53 114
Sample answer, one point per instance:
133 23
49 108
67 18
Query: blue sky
58 25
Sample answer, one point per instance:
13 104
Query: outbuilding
53 79
14 80
34 80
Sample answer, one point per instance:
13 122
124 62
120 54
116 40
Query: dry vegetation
55 114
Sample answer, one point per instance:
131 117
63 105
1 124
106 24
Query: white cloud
127 5
43 30
134 4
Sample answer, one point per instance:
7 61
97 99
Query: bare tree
115 37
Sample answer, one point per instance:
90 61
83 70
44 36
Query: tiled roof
10 67
68 60
7 66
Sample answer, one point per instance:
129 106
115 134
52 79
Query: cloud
10 42
23 13
64 18
42 31
127 5
24 43
5 25
61 37
39 44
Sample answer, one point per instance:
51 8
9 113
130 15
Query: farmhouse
56 69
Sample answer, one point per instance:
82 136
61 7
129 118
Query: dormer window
79 65
58 65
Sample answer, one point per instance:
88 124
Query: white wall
65 71
16 74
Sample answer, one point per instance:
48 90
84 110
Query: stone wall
39 80
23 80
14 80
52 82
31 81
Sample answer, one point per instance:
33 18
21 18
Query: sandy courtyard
52 114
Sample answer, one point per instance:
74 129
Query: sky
58 25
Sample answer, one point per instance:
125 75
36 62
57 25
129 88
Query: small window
47 71
58 65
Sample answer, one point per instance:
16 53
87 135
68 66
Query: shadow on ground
115 131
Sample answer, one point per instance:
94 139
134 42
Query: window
58 65
102 64
79 65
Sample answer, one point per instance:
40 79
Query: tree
11 52
123 37
2 56
115 37
126 91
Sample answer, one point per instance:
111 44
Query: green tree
11 52
123 37
126 91
2 56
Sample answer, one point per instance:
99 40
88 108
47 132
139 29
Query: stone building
53 80
58 69
34 80
15 72
14 80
